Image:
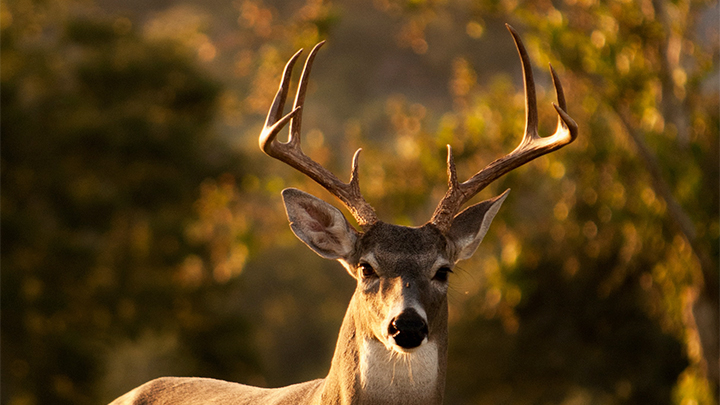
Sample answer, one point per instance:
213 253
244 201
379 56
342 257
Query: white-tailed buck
392 347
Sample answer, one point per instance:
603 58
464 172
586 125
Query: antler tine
531 146
531 115
275 121
291 152
296 121
566 125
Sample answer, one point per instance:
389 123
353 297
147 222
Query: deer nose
408 329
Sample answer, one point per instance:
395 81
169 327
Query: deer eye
442 274
367 270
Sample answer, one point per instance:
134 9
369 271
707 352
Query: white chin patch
391 372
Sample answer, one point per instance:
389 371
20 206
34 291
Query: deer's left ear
470 226
320 225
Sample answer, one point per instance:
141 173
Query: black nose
408 329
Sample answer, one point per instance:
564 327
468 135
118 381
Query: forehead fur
411 241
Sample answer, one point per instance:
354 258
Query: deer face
402 283
401 272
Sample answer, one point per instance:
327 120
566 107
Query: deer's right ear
320 225
470 226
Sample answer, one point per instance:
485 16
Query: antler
531 146
292 154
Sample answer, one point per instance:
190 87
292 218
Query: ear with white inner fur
320 225
470 226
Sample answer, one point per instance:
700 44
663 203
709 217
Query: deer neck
365 371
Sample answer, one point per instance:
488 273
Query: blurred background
143 232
